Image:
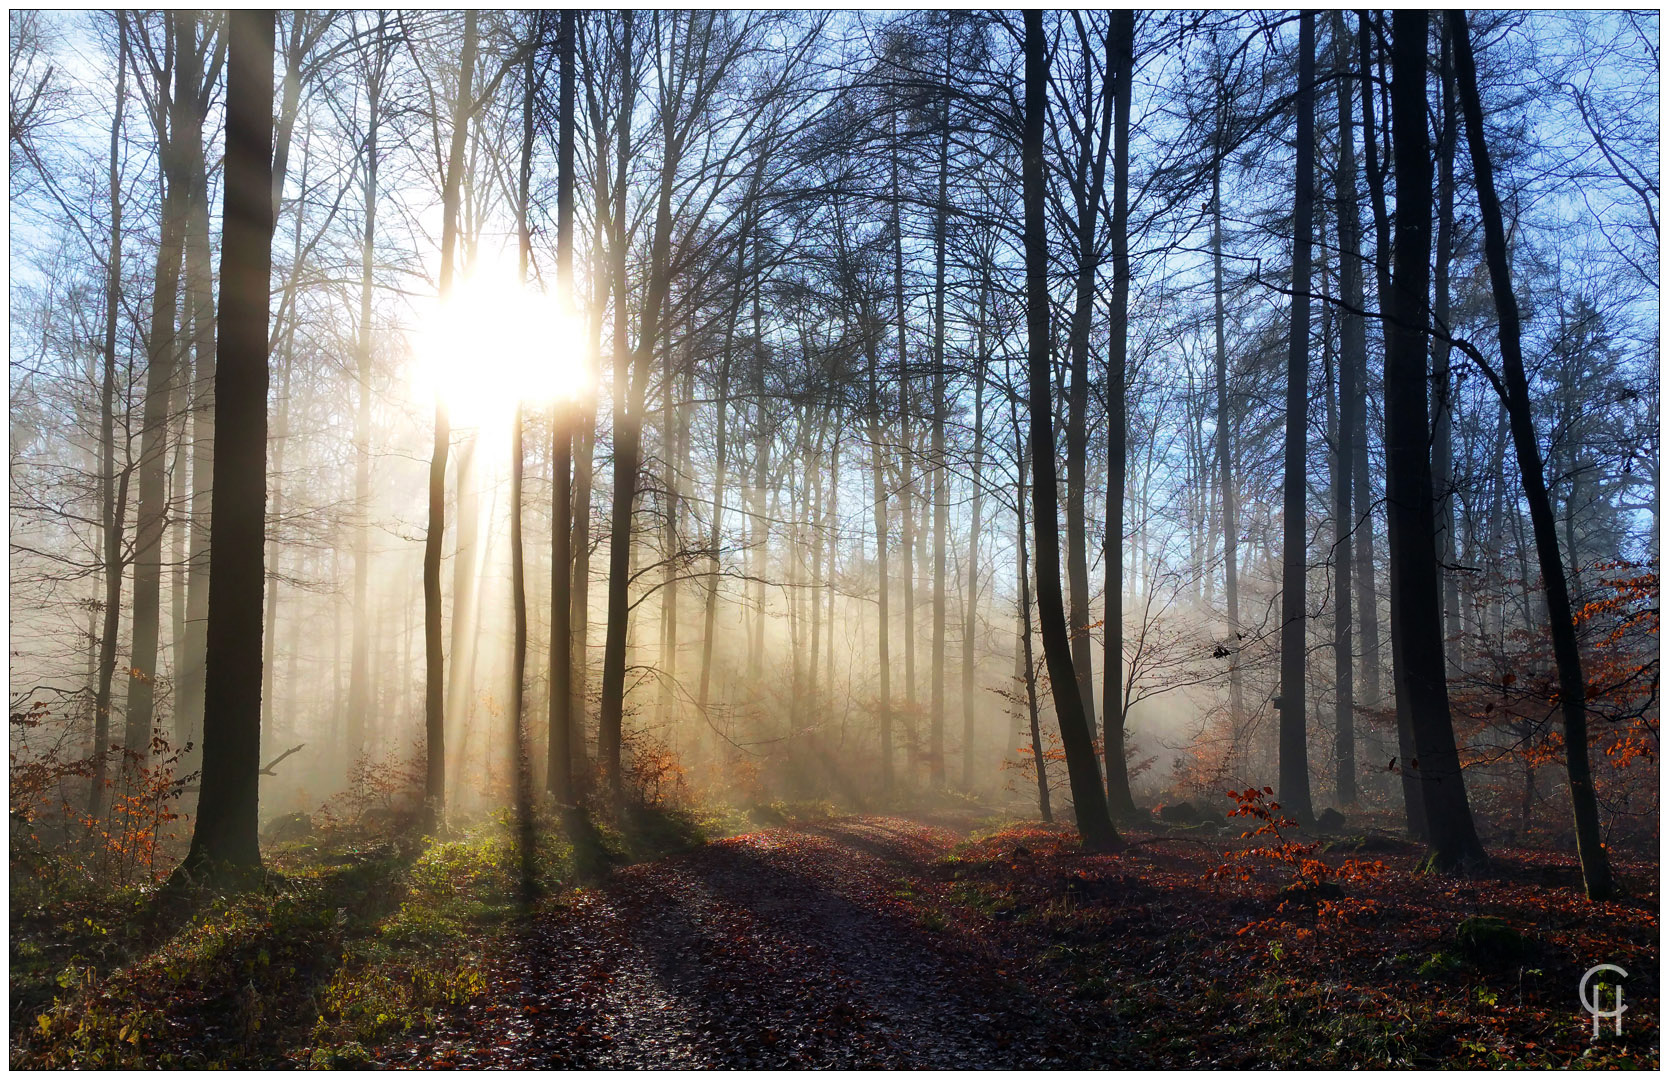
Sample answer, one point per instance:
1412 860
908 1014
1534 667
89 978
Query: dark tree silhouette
227 827
1294 746
1088 796
1596 866
1416 612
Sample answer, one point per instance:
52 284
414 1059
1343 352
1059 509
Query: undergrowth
344 942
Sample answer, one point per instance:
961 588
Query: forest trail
786 948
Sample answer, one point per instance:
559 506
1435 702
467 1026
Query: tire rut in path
780 949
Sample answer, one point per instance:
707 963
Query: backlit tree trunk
1090 800
434 793
1294 789
1416 617
227 816
1596 866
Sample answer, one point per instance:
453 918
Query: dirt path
790 948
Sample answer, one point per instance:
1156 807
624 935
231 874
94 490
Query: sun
495 342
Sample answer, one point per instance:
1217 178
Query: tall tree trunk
1225 457
628 437
1120 71
281 441
1442 406
970 625
1028 663
1353 354
906 519
520 759
227 823
112 489
1294 745
1089 799
160 378
199 285
941 509
1367 596
1087 192
1596 867
877 461
760 536
559 750
434 792
359 703
721 463
1416 618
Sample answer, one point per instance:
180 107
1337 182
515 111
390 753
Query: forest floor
861 941
885 943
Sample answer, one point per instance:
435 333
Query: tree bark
359 698
1120 70
1596 867
1416 617
1087 197
628 438
1348 520
941 509
162 348
970 626
1294 791
877 459
434 792
1090 800
1442 407
1028 664
1407 754
1225 457
559 750
227 825
1367 594
113 489
199 286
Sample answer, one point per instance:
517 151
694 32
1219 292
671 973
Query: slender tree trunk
970 626
906 520
1120 70
1294 746
199 285
721 463
628 435
1353 352
1596 867
160 378
434 794
1225 458
1090 800
1442 407
520 759
877 459
281 440
1087 193
359 704
113 488
1416 618
760 542
227 822
941 509
1365 591
1028 663
559 751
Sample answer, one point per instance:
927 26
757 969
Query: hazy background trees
793 521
